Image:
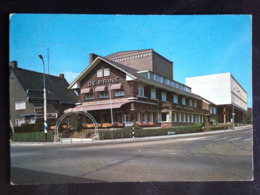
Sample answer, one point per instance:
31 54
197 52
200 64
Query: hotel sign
103 81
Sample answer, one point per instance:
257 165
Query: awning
116 86
86 90
95 107
101 88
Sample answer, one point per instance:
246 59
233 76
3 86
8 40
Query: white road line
237 138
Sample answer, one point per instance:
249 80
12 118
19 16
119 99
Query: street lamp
44 102
233 111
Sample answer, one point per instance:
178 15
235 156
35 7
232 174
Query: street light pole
44 102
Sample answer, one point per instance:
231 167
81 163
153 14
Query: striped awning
95 107
116 86
86 90
101 88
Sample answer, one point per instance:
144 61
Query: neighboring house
142 90
26 95
224 91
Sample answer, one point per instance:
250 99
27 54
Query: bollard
133 132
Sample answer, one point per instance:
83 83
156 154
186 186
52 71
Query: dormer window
99 73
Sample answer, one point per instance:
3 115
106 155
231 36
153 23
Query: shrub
139 132
32 137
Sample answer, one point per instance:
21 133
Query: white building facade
224 91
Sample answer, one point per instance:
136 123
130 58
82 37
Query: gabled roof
32 84
134 74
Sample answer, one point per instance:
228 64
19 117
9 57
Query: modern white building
224 91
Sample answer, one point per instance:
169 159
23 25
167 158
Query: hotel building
137 87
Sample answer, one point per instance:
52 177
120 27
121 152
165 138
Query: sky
197 44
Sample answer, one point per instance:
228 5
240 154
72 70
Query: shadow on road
25 176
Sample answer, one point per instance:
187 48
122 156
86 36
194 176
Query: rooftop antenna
48 61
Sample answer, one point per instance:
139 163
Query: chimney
92 57
61 75
13 64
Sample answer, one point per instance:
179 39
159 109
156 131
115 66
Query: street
225 156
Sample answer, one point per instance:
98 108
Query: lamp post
44 102
233 111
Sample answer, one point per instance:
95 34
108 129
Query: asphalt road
225 156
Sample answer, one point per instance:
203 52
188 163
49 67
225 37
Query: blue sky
197 44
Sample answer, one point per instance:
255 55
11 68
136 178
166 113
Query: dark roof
123 53
32 84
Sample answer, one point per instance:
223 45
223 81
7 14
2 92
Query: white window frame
214 110
164 97
19 122
192 118
21 105
184 117
88 96
188 118
119 93
100 73
179 118
183 101
175 117
141 90
153 93
175 99
106 71
210 110
103 94
167 117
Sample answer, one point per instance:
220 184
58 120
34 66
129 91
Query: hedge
139 132
32 137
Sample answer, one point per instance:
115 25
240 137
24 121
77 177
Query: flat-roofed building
224 91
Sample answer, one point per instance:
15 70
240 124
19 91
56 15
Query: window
145 117
99 73
210 110
192 118
180 117
214 110
106 71
159 117
190 102
202 119
20 105
89 96
151 118
165 117
164 96
119 92
183 101
195 104
184 118
19 122
188 118
32 120
103 94
175 99
175 117
138 117
153 94
141 90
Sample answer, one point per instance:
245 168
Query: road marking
237 138
248 139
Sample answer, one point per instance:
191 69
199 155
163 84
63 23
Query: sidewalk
136 139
